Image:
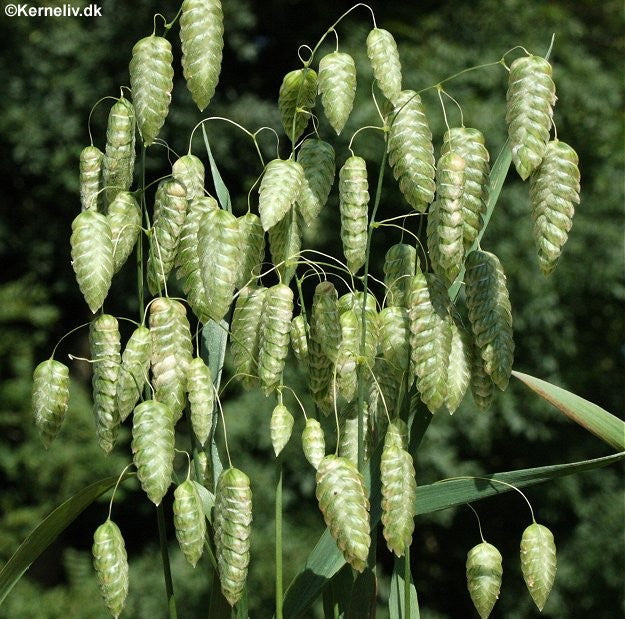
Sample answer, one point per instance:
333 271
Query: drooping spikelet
337 86
90 178
189 170
399 266
295 100
189 521
50 397
201 398
279 188
353 204
317 160
133 372
538 562
484 573
384 58
124 217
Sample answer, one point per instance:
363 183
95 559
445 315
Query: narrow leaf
214 339
588 415
363 599
223 195
396 599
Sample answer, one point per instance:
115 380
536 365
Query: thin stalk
169 586
278 518
407 582
140 243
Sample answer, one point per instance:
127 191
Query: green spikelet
245 333
297 97
482 387
285 242
279 189
50 397
92 256
189 521
275 327
399 494
171 353
345 507
325 327
299 340
347 358
313 442
348 434
124 216
490 314
384 58
320 373
153 447
469 144
170 210
430 341
397 434
111 566
232 523
538 562
202 38
219 246
105 345
133 372
337 86
395 338
90 177
529 110
119 155
383 398
484 573
187 257
445 231
317 160
252 249
554 192
151 81
189 170
399 266
459 370
410 150
201 398
353 203
281 426
372 326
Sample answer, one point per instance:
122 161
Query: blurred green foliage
569 328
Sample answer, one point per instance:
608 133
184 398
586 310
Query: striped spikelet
325 327
133 372
395 338
189 170
252 239
538 562
482 387
111 566
484 571
201 398
348 434
119 155
299 338
281 426
317 160
90 178
279 188
337 86
295 100
313 442
353 204
285 242
459 370
124 217
50 397
384 58
189 521
399 266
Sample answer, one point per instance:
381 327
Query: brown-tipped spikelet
484 573
279 188
538 562
90 178
232 523
202 38
124 216
281 426
384 58
317 160
554 192
295 100
252 250
313 442
529 110
111 566
399 266
189 170
189 521
133 372
119 155
354 203
50 397
345 507
201 398
337 86
153 447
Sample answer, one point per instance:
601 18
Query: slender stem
140 242
407 582
278 517
162 538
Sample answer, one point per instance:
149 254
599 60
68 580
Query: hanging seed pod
445 232
353 203
124 217
410 150
90 177
320 374
469 144
172 352
337 86
529 111
201 398
245 333
399 495
554 192
345 507
399 266
170 211
219 244
275 326
188 260
50 397
484 573
189 170
119 155
384 58
285 242
281 427
490 314
430 341
459 370
189 521
395 338
325 327
317 160
297 97
348 434
202 38
252 249
299 341
105 345
111 566
92 256
151 81
279 188
232 520
313 442
538 562
347 358
482 387
133 372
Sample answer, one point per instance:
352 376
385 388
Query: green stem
162 538
140 243
407 581
278 517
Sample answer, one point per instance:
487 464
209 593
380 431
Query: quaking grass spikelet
337 86
384 58
133 372
50 397
399 266
281 426
353 204
189 170
111 566
119 155
279 188
317 160
90 178
124 217
189 521
201 398
484 573
313 442
538 562
295 100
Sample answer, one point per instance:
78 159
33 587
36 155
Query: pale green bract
317 160
50 397
459 370
119 155
384 58
279 188
484 573
280 426
313 442
124 216
337 86
189 521
201 398
353 204
285 242
90 168
189 170
133 373
295 100
400 263
538 562
252 251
